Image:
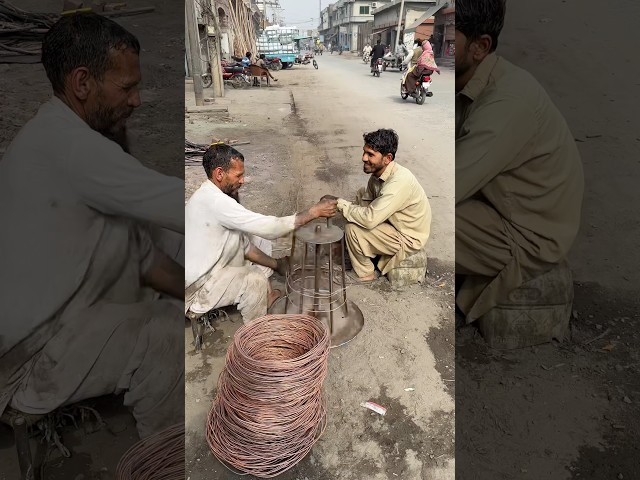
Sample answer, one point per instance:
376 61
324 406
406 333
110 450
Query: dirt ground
157 143
570 410
305 135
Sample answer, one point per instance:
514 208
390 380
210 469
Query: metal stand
318 289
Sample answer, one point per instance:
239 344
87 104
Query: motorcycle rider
246 60
425 65
366 51
377 52
401 53
411 60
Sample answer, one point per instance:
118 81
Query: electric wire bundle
158 457
269 410
21 32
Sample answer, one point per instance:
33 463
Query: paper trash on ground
375 407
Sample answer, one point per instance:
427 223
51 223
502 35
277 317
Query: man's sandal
351 278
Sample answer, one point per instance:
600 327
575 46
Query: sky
299 12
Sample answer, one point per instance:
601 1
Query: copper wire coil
158 457
269 409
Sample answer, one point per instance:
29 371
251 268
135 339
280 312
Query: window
364 10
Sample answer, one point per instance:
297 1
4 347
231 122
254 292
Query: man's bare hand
329 197
325 208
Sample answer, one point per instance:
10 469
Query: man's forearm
305 217
256 255
165 276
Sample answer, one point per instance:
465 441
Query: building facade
415 12
344 23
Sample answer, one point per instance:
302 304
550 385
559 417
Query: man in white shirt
222 260
77 250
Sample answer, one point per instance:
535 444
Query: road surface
305 136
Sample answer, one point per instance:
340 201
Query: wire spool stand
314 286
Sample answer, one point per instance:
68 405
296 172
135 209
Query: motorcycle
394 61
422 89
377 68
233 74
207 80
274 63
366 57
304 59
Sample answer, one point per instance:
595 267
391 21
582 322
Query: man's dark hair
263 56
219 156
83 40
475 18
378 42
248 54
384 141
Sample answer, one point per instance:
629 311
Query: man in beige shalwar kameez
519 178
390 218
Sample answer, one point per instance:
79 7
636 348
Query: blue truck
279 42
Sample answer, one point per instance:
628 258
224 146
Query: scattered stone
626 399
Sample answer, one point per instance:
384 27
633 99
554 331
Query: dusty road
571 410
306 140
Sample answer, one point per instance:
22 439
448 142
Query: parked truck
279 42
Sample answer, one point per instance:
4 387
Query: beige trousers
113 337
490 253
364 245
245 286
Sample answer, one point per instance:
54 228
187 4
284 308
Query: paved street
305 135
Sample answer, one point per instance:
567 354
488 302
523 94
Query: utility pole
194 49
216 56
264 14
399 25
187 49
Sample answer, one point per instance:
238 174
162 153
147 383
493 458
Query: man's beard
235 194
463 62
107 122
373 169
119 136
462 67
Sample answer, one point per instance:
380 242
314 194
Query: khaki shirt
515 151
397 198
416 55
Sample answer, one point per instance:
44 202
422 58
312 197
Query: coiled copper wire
158 457
269 408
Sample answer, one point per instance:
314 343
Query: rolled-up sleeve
392 199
